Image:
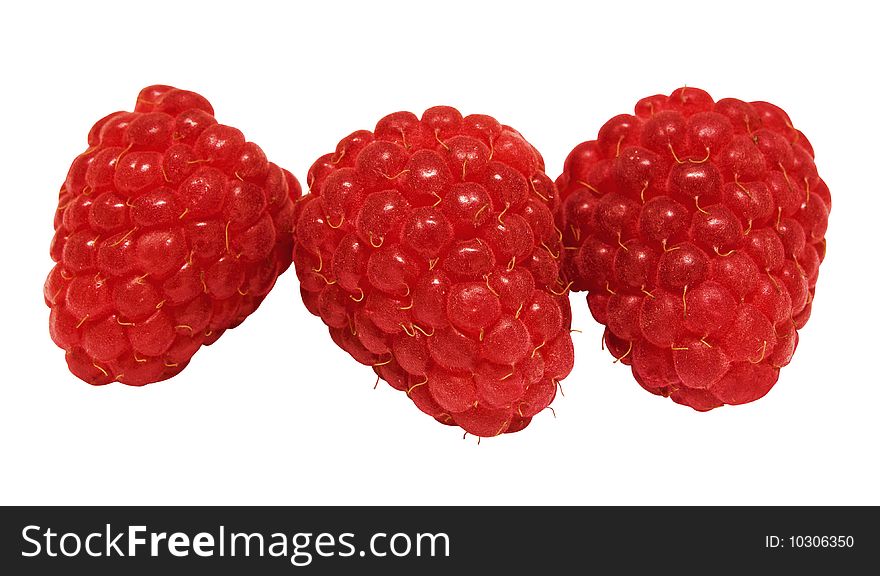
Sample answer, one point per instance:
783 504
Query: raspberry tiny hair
697 228
170 229
428 248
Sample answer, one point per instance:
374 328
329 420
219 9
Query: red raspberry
428 248
698 228
170 229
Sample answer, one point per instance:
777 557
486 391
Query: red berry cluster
428 248
698 229
438 251
170 229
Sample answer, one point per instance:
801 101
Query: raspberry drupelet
697 228
428 248
170 229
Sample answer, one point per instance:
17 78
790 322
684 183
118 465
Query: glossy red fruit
697 228
428 248
170 229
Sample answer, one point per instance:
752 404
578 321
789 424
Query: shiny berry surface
170 229
428 248
697 228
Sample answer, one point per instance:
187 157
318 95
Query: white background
274 413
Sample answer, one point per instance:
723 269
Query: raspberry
429 250
697 228
170 229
